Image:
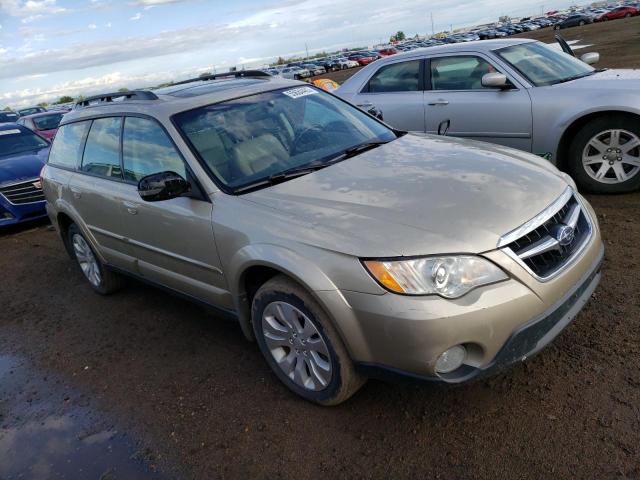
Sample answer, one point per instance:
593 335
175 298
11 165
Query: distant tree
400 36
79 98
43 104
281 61
123 89
65 99
7 109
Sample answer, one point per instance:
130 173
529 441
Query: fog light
451 359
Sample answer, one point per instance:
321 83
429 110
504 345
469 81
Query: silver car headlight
450 276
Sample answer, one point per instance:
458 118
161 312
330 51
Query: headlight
449 277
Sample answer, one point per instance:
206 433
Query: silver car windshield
249 140
543 65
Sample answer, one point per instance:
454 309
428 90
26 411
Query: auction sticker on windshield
299 92
13 131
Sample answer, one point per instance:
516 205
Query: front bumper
11 214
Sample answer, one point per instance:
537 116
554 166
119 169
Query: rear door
97 189
455 92
396 90
172 241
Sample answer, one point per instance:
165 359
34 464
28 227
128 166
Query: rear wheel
101 280
301 345
581 23
627 15
604 156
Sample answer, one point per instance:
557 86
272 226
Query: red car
385 52
44 124
365 60
620 12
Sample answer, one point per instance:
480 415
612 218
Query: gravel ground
199 402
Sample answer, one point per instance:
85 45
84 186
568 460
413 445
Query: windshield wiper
310 167
574 77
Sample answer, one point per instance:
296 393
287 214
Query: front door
171 240
454 92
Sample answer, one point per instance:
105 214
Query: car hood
22 166
418 195
614 79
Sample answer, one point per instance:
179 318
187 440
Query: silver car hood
615 79
418 195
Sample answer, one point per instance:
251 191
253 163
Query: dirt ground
195 400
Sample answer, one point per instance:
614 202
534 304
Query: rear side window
47 122
459 73
66 150
102 151
398 77
147 149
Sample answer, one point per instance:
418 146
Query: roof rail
236 74
108 97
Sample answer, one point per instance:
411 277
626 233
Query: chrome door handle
440 101
76 192
132 208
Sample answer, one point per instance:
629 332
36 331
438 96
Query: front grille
24 192
554 239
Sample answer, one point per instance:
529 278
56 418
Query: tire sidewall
586 133
74 230
260 302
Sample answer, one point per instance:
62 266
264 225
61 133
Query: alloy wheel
612 156
86 260
297 346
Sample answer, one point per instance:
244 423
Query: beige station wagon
345 248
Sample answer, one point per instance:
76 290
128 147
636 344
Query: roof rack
108 97
236 74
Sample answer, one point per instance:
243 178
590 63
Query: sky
51 48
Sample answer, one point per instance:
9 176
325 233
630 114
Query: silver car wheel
612 156
86 260
297 346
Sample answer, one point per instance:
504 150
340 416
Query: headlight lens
449 277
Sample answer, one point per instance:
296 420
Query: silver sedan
519 93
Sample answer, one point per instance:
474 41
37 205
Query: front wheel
101 280
301 345
604 156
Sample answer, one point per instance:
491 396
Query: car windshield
543 65
8 117
250 140
47 122
18 140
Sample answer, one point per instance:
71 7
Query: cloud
153 3
92 26
137 16
30 8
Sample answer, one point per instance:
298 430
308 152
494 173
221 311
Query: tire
581 23
620 171
627 15
556 27
101 279
281 300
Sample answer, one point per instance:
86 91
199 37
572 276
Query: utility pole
307 49
432 29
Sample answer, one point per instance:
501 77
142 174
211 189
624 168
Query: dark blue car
22 156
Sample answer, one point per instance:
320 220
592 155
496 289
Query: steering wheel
301 136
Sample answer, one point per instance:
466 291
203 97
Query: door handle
440 101
132 208
366 105
76 192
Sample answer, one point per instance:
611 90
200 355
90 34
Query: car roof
477 45
164 102
44 114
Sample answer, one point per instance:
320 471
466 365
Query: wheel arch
574 127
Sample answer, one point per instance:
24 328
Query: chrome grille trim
540 238
23 192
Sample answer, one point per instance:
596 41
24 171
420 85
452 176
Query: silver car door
396 90
454 92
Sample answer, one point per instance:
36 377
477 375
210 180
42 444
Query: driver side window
459 73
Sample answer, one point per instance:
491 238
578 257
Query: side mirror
162 186
375 112
590 58
495 80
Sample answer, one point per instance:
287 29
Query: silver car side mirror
494 80
590 58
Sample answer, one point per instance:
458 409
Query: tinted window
47 122
66 150
459 73
146 149
19 140
8 117
399 77
102 152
